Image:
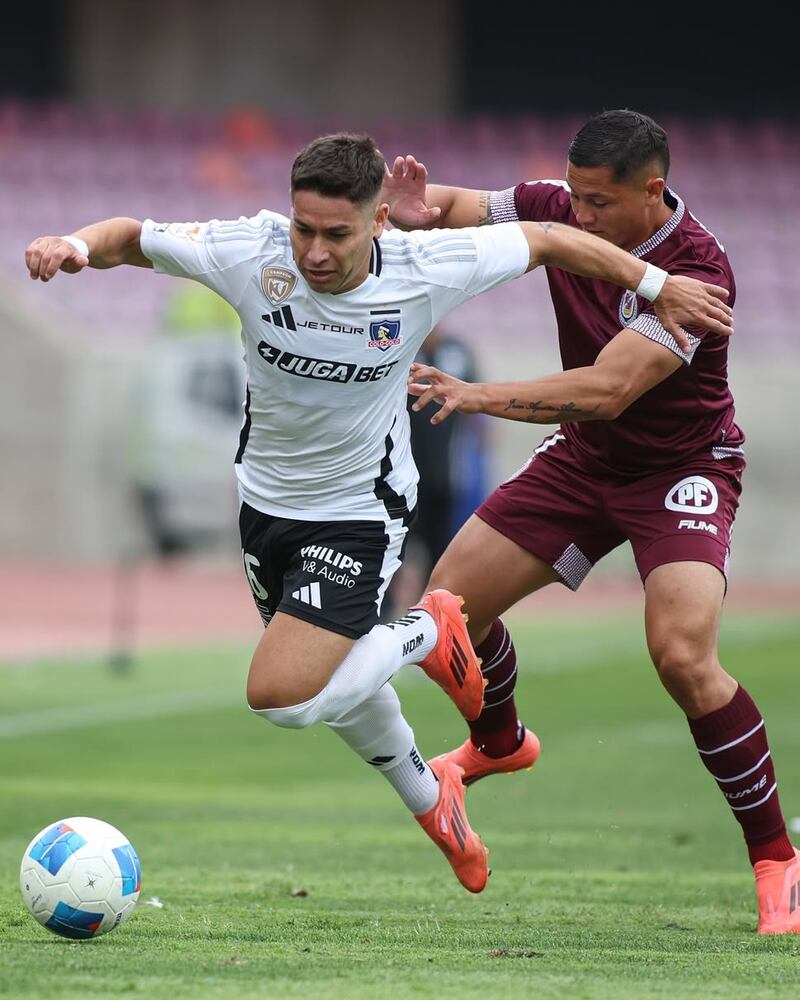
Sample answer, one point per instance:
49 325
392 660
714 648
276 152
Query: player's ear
381 215
654 189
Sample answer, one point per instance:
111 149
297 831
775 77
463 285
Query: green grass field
286 868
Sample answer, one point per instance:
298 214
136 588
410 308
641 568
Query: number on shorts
250 565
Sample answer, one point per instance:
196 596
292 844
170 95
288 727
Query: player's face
625 213
332 239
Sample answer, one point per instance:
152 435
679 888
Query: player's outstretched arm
678 299
625 369
415 204
109 244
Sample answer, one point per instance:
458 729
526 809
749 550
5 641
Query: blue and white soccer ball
80 877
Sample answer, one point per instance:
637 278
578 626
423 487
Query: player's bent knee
267 691
307 713
677 655
683 668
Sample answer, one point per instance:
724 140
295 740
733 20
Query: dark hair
624 140
340 166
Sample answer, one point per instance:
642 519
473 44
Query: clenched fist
48 254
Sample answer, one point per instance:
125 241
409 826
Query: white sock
417 632
414 781
372 660
376 657
377 731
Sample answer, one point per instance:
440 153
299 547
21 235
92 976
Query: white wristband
652 282
83 247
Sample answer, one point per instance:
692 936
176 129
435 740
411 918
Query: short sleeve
503 205
466 262
649 325
219 254
541 201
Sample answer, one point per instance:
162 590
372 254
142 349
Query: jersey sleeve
218 254
465 262
649 325
531 201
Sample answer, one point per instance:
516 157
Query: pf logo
693 495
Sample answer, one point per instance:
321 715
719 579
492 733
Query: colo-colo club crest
278 283
384 333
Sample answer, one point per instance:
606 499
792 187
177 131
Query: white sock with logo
417 633
372 660
414 781
376 657
377 731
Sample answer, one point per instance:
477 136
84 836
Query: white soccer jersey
326 431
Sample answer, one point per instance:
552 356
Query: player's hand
49 254
433 386
404 192
685 301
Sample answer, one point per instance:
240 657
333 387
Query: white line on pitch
150 707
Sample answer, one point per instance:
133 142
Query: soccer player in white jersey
333 311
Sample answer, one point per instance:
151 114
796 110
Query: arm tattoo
545 226
485 217
565 411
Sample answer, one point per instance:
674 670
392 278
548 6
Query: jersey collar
376 259
669 226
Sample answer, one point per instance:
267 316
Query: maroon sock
732 742
497 731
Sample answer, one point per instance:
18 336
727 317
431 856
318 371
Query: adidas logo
458 663
407 620
281 317
459 827
380 761
309 595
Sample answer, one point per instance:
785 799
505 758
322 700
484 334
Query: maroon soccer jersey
689 413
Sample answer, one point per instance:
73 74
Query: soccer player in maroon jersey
647 451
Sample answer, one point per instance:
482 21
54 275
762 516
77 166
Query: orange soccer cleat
448 827
477 765
778 892
452 662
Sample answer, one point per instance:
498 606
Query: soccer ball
80 877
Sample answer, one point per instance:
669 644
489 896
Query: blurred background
121 392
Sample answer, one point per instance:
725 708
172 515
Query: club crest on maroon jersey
628 309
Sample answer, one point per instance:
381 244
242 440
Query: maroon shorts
559 510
